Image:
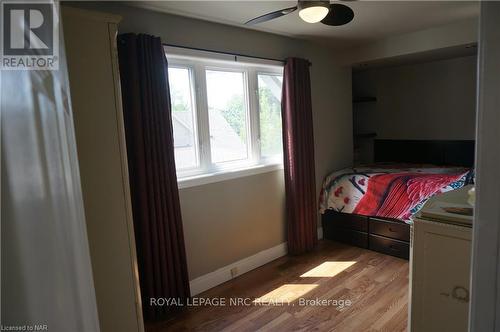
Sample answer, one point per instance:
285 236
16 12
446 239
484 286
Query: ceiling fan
312 12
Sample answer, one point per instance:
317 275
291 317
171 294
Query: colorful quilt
391 191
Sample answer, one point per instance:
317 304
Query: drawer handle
393 248
391 230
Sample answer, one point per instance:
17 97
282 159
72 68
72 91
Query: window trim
207 171
207 178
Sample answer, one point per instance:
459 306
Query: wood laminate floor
376 284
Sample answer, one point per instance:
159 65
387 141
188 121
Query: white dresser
440 252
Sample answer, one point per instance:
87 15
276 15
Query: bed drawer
389 246
355 238
393 229
346 220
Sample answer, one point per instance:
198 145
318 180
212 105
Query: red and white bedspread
388 191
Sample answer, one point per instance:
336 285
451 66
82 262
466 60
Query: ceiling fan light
313 11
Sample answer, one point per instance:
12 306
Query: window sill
202 179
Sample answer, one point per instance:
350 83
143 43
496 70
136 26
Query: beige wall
230 220
227 221
432 100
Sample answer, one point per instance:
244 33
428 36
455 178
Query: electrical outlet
234 272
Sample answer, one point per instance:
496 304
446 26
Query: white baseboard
223 274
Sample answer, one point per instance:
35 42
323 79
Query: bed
372 206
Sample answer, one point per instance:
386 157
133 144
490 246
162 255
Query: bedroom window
183 118
226 117
269 91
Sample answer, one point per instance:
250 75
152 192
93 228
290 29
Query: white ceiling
373 19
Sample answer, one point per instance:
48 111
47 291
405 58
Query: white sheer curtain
46 276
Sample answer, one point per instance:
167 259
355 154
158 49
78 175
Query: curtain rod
227 53
221 52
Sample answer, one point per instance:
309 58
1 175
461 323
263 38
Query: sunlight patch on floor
285 294
328 269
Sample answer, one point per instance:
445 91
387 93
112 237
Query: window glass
271 139
183 118
227 113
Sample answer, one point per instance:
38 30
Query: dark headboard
454 153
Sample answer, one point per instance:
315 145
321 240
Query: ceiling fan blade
339 15
271 16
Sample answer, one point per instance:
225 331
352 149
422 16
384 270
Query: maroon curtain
298 141
153 181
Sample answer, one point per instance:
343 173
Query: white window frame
265 160
195 117
231 164
198 62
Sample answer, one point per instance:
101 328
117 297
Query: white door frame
485 299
